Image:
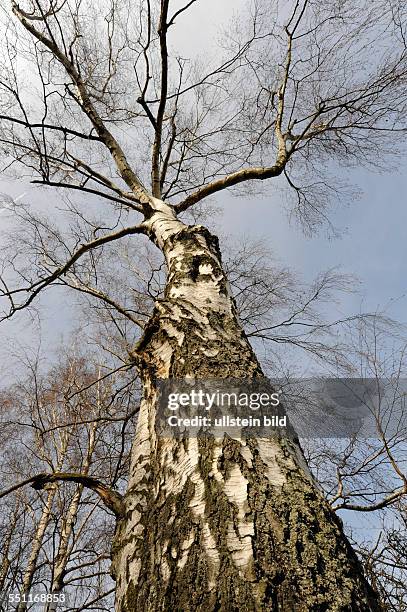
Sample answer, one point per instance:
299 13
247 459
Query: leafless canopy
101 103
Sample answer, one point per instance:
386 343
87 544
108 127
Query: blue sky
372 246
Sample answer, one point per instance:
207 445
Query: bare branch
85 103
384 503
111 499
155 165
249 174
37 287
48 126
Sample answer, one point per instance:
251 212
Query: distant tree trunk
36 548
62 556
220 524
5 553
67 529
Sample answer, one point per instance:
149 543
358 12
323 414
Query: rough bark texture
230 524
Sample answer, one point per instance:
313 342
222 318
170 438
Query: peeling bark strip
228 524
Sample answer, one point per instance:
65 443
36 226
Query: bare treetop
97 99
111 106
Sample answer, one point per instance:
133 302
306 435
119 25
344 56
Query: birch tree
61 433
95 100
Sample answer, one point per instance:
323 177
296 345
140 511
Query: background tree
62 431
207 524
366 474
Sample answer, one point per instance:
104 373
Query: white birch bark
36 548
219 524
65 544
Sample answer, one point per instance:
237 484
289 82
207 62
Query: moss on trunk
221 524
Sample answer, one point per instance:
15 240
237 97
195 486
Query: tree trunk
36 546
67 529
5 553
220 524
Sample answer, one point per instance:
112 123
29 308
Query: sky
372 245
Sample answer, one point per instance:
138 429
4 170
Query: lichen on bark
220 524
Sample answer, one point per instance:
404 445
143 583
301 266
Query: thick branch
85 103
181 10
247 174
110 498
162 32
